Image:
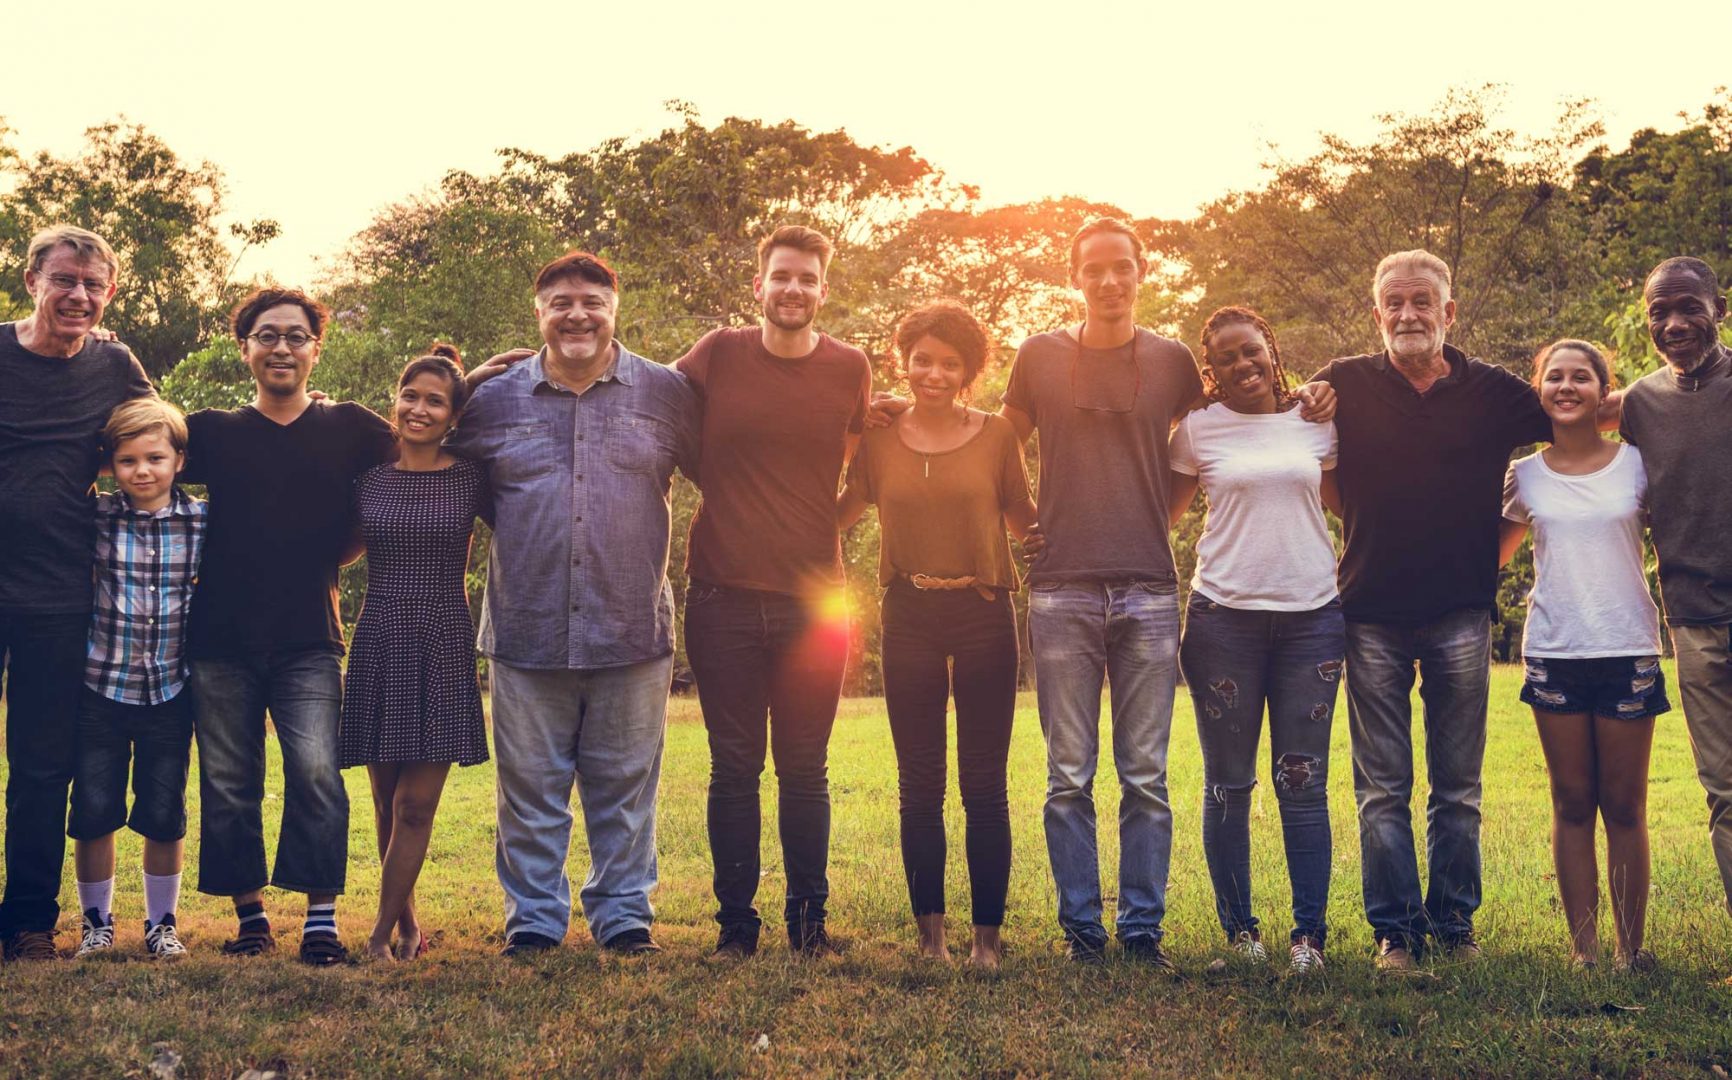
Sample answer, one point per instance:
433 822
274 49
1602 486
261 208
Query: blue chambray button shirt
577 577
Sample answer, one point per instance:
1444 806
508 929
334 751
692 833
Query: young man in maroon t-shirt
766 630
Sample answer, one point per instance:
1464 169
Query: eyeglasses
294 338
67 282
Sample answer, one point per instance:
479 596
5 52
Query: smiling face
1243 367
145 468
70 293
423 411
1108 272
1414 313
577 319
792 287
1684 317
281 369
1570 387
936 372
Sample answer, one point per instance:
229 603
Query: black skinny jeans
924 631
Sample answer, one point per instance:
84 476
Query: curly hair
1227 316
951 323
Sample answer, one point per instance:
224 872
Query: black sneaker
810 939
527 943
1146 949
736 943
1085 950
633 942
323 950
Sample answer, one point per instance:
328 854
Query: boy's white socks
98 895
161 896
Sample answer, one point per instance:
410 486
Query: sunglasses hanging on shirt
1109 382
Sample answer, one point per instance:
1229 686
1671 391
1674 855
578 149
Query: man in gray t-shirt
1681 417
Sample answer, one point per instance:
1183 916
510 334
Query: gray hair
1419 258
85 244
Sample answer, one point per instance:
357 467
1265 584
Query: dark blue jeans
1234 662
302 690
767 664
1453 655
44 657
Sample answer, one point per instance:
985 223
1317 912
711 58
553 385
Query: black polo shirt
1421 479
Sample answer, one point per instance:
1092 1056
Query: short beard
773 317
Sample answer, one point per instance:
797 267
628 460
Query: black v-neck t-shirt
281 513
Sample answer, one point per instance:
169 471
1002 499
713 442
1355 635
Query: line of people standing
569 452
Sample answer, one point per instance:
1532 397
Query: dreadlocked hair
1227 316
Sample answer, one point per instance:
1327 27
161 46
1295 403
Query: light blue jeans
602 730
1128 635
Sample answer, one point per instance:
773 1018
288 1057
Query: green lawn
877 1009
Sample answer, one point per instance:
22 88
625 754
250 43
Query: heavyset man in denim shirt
581 442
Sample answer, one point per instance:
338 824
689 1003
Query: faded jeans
1705 685
1127 635
1453 655
602 730
1234 660
302 689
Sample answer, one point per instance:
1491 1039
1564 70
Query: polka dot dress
410 693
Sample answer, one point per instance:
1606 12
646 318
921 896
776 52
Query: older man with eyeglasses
58 384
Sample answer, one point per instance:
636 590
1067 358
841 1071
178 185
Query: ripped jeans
1234 661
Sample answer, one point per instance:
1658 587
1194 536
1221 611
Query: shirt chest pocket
635 444
528 452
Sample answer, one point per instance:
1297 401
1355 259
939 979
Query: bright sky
320 119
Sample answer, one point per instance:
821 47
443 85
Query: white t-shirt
1590 597
1265 544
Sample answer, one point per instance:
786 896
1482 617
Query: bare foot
988 949
932 937
379 950
409 943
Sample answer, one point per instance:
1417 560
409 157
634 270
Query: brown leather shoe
1395 958
31 945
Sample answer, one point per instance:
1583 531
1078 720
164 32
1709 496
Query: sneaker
1462 949
1085 950
254 939
1395 958
736 943
1146 949
810 939
633 942
1641 962
31 945
323 950
1248 945
162 940
1304 957
98 934
527 943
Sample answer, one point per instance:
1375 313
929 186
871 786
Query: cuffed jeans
1127 635
44 675
923 631
1705 684
603 730
302 689
1234 660
1453 656
766 660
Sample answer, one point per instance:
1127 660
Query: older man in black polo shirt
1426 433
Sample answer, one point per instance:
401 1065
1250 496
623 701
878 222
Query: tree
159 214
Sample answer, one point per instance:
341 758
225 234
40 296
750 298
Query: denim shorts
1620 687
156 741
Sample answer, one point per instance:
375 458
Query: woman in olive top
947 479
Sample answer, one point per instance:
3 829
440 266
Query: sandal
251 941
322 950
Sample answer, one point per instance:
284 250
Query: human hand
1316 402
1033 541
885 408
103 333
497 365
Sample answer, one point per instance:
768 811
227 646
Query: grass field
877 1009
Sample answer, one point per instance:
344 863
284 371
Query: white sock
98 895
321 919
161 896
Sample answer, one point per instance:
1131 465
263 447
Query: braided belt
927 582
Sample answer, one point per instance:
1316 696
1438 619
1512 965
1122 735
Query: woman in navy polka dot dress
411 705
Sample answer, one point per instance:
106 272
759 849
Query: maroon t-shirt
775 435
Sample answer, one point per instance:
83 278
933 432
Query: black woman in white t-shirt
1263 624
1591 647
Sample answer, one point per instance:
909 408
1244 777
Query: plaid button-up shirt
146 565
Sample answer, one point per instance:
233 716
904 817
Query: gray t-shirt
51 411
1103 417
1684 429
